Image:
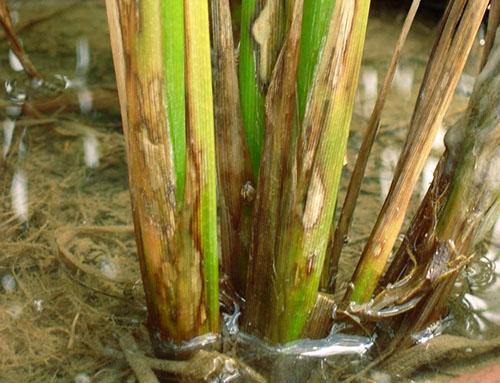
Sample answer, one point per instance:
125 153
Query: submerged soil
68 269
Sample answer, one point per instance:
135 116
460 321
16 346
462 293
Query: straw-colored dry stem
461 205
335 247
460 24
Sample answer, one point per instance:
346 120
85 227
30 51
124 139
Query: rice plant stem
342 228
442 75
320 155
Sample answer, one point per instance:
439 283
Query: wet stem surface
58 325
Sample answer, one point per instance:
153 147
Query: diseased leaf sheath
262 31
469 205
173 58
234 170
177 248
460 24
150 166
319 159
315 23
274 168
201 183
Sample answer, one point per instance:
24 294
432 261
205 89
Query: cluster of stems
252 147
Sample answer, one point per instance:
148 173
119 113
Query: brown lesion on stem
275 168
268 31
170 254
234 172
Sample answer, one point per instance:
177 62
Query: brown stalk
275 166
342 229
462 20
150 168
455 215
235 178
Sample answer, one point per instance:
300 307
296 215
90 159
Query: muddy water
66 168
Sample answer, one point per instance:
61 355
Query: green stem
202 198
173 57
302 247
315 22
263 24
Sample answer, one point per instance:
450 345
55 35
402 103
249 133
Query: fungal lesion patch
262 32
315 201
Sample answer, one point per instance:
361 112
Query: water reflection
8 131
14 62
9 283
369 84
427 175
19 196
403 80
91 153
389 159
483 297
82 56
85 100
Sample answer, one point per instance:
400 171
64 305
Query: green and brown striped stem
263 26
274 168
177 242
234 172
